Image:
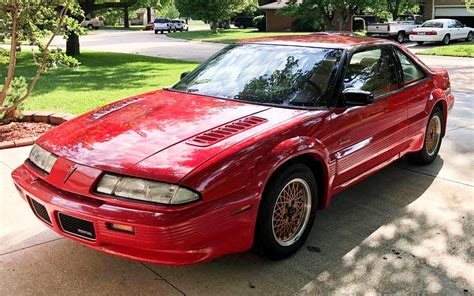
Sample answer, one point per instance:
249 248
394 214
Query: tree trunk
72 45
340 21
126 21
393 7
148 15
12 57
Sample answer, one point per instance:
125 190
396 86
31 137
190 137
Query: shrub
300 25
260 22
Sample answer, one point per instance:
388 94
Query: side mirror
357 97
184 74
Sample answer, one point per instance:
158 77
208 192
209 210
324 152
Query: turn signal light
121 227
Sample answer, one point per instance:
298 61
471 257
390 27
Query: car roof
324 40
439 20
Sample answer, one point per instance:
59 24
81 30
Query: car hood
150 135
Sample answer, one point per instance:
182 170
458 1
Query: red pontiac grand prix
240 153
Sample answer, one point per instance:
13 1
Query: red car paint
151 136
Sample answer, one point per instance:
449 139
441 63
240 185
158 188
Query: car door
453 30
416 87
463 31
365 136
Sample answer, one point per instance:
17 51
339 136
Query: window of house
372 70
411 72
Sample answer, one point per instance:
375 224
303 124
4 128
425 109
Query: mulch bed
20 130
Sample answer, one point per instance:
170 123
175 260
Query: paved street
407 229
146 43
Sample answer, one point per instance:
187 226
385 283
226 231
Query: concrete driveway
407 229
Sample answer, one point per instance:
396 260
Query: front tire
469 37
432 141
90 27
287 212
419 42
446 39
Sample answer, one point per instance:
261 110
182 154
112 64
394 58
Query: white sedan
441 30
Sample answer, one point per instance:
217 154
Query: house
276 22
453 9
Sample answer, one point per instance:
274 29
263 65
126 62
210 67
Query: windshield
432 24
283 75
161 21
405 18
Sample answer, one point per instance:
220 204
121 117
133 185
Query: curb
54 118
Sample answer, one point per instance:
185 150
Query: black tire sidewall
469 37
400 35
265 241
446 39
422 156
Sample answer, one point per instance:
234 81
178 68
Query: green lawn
103 77
228 36
456 50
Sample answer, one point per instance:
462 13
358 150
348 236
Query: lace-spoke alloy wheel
433 135
291 212
432 141
287 211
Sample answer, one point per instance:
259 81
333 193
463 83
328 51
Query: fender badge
72 169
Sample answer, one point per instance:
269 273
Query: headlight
42 158
140 189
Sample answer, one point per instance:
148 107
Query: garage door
453 11
459 13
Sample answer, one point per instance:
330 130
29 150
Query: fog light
121 227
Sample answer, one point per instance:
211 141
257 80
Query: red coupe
240 153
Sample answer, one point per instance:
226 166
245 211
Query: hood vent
225 131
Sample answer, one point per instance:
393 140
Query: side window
451 24
372 70
458 24
411 72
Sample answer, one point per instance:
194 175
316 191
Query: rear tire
469 37
90 27
419 42
287 212
156 32
400 37
446 39
432 141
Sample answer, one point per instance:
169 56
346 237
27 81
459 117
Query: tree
50 19
153 4
212 11
328 15
395 7
164 6
88 7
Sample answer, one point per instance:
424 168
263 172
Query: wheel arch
318 167
443 106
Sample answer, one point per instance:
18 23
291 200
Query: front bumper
162 237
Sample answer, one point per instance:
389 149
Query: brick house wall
278 23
